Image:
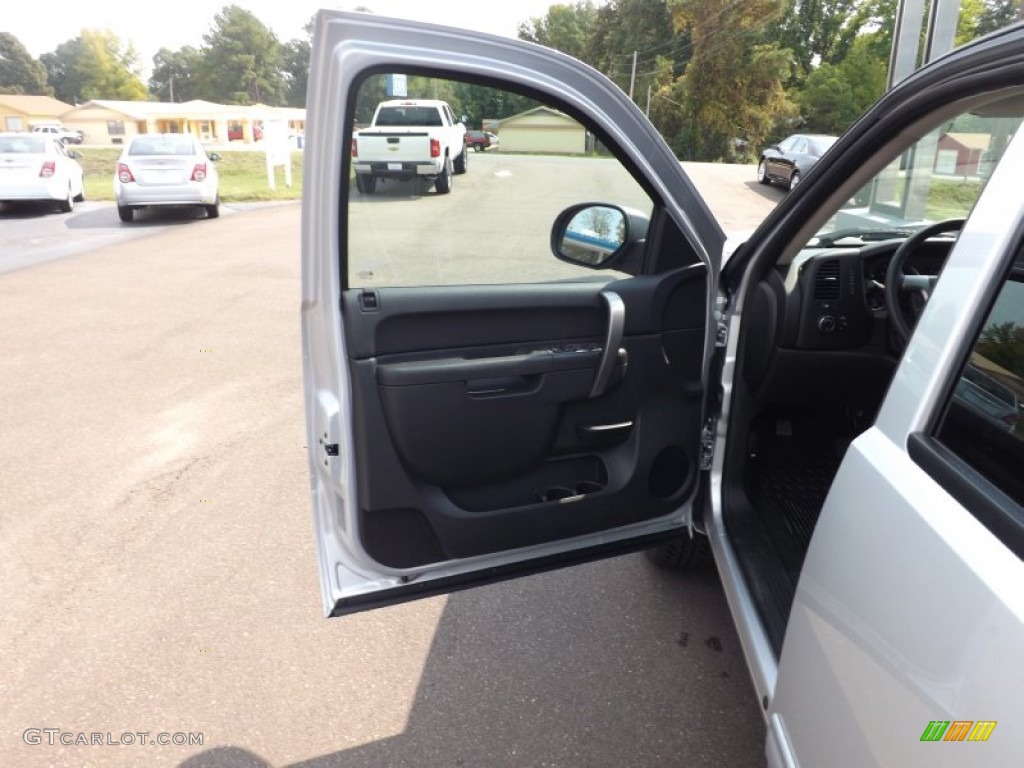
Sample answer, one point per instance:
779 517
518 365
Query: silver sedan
166 169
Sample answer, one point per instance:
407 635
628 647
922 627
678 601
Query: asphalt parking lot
158 561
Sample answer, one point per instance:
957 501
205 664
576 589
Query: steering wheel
896 282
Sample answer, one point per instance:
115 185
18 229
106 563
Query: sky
42 26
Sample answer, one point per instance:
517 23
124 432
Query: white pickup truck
410 138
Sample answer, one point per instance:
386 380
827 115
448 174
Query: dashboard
819 328
834 296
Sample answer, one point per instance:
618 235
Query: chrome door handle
612 352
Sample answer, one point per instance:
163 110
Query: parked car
159 169
867 532
410 139
236 133
481 140
59 131
38 167
789 161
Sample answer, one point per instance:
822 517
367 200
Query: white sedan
166 169
35 167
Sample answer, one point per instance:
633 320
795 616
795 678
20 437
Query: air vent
826 282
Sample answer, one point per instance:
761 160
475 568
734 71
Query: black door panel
491 440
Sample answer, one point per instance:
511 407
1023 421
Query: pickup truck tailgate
392 146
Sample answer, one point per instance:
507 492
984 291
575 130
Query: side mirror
214 156
74 154
598 235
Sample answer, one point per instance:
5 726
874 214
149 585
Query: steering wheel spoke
897 282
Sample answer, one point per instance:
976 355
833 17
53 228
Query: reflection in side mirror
74 155
214 156
601 236
593 236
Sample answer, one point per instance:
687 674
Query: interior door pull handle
612 351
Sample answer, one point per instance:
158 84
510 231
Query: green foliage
567 28
241 61
644 26
479 103
733 84
834 95
174 74
94 65
826 101
996 15
476 102
19 72
816 31
295 67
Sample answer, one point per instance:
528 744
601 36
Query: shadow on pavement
505 686
28 210
767 191
106 217
391 191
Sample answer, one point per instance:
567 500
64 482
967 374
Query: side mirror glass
214 156
74 154
590 235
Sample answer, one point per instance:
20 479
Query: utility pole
647 111
632 78
172 88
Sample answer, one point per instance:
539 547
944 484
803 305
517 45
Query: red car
235 132
480 140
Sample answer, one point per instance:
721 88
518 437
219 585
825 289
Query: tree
733 84
295 67
479 103
94 65
834 95
174 75
241 61
19 72
642 26
998 14
826 101
815 31
567 28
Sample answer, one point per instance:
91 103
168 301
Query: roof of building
197 108
34 105
971 140
538 111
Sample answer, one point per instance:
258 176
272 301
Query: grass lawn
243 175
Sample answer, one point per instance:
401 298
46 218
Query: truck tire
366 184
462 161
443 183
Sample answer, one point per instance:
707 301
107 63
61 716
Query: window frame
979 495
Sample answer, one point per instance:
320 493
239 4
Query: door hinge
707 445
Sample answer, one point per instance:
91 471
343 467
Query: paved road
33 234
159 575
